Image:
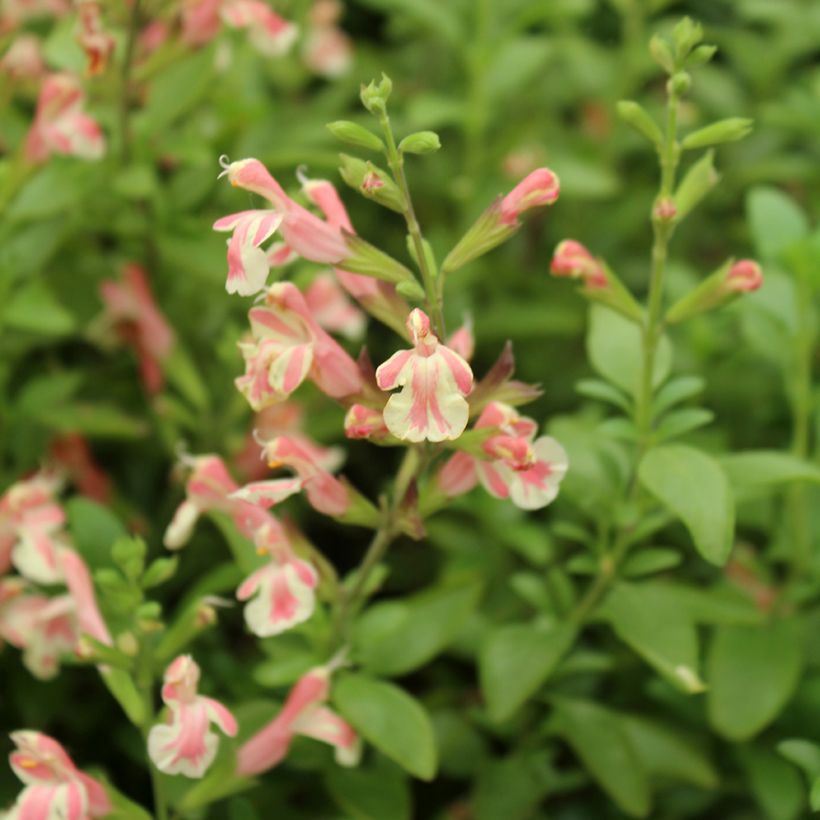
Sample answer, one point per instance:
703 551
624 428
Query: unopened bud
728 130
372 182
664 210
422 142
374 97
744 276
128 644
365 423
354 134
679 83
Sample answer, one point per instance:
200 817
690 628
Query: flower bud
679 83
538 188
664 210
374 97
422 142
365 423
354 134
634 114
368 260
372 182
698 181
725 285
728 130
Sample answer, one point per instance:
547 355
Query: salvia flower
332 309
539 188
97 43
270 34
54 786
282 592
209 487
434 381
288 347
131 310
365 423
31 522
518 466
572 259
60 125
24 58
186 744
304 713
744 276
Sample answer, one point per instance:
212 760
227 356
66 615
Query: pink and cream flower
517 466
282 593
540 187
270 34
572 259
81 590
332 309
54 786
60 125
744 276
325 493
131 310
186 744
288 347
434 381
31 522
97 43
209 487
363 422
304 713
24 58
43 628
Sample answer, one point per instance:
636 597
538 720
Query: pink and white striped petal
268 493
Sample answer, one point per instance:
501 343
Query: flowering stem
395 159
125 82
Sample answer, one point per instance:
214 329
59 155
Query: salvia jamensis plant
327 627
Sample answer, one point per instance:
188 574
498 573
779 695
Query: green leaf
377 792
513 787
517 62
676 391
659 630
599 739
752 673
683 421
395 637
437 17
516 660
803 753
95 419
773 783
94 530
35 309
614 348
767 468
386 716
603 391
693 486
668 753
776 221
649 561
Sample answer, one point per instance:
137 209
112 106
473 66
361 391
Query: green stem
125 82
395 159
147 687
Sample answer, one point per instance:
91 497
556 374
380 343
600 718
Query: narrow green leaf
603 391
599 739
391 720
676 391
767 468
649 561
752 673
692 486
683 421
35 309
516 660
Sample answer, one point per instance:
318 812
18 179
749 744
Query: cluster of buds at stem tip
727 283
501 220
600 284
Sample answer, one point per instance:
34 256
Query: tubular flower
54 786
268 33
185 744
538 188
434 381
365 422
303 713
572 259
327 50
744 276
288 347
248 264
324 491
60 126
94 40
332 309
81 589
30 529
208 488
131 309
43 628
518 466
281 593
24 58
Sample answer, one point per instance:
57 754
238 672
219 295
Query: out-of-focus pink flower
131 309
522 160
365 423
517 466
572 259
186 745
73 455
97 43
209 487
434 382
24 59
303 713
325 493
744 276
327 50
31 520
54 786
154 35
462 341
200 21
43 628
332 309
281 593
270 34
15 12
289 347
81 589
60 126
538 188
